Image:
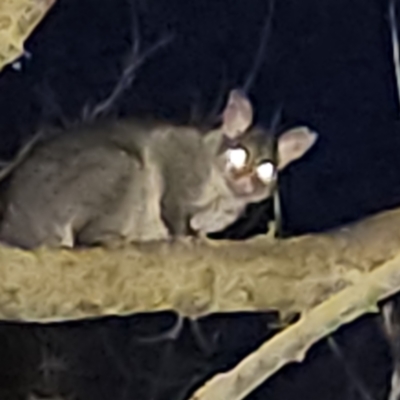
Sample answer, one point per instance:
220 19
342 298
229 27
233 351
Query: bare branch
262 48
8 167
356 381
24 14
219 99
291 275
395 43
292 344
128 75
330 278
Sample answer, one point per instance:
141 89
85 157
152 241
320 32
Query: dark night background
328 62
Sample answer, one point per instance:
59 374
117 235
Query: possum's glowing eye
266 171
237 157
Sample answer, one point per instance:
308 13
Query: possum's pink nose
244 185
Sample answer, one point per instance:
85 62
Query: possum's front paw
193 239
187 240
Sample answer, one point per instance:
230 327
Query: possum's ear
293 144
237 116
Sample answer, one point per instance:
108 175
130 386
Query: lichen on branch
195 279
18 19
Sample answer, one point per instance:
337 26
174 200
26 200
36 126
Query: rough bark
331 278
292 344
18 19
292 275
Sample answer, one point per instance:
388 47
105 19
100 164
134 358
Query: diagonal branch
18 19
292 344
135 61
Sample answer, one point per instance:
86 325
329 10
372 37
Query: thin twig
355 379
261 49
395 43
134 61
128 75
292 344
220 97
391 327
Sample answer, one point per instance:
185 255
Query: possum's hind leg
50 200
17 231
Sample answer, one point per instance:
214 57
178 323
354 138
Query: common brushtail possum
131 180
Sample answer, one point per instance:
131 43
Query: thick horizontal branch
18 19
289 275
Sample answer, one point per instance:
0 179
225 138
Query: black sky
329 62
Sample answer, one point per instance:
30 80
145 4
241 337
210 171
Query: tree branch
291 275
18 19
330 278
291 345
